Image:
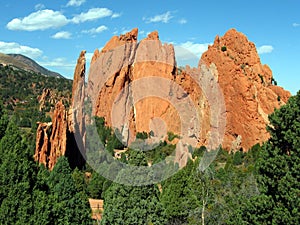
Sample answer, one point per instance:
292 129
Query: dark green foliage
132 204
80 180
176 196
160 152
3 124
223 48
106 137
96 186
142 135
16 178
198 152
68 205
214 193
238 158
172 136
30 194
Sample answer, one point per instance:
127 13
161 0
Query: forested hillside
19 92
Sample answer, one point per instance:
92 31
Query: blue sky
54 32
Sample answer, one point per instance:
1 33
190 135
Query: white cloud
296 24
116 15
88 56
62 35
265 49
193 48
40 20
189 53
163 18
75 2
47 19
95 30
39 6
182 21
92 14
57 62
13 47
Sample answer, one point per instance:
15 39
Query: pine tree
67 205
133 204
16 178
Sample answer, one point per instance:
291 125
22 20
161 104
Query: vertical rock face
51 138
112 85
76 114
58 138
42 147
54 139
247 86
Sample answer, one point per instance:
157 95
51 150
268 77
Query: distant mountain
25 63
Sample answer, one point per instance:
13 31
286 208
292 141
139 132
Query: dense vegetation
258 187
19 91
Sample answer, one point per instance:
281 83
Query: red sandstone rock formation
137 87
246 84
76 113
42 143
51 138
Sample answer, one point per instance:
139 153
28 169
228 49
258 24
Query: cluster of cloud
94 14
40 20
163 18
264 49
49 19
75 2
13 47
195 48
95 30
62 35
57 62
296 24
189 52
182 21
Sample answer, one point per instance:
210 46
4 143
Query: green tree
41 201
96 185
16 178
67 205
176 196
133 204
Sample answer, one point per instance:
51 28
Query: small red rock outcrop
51 138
